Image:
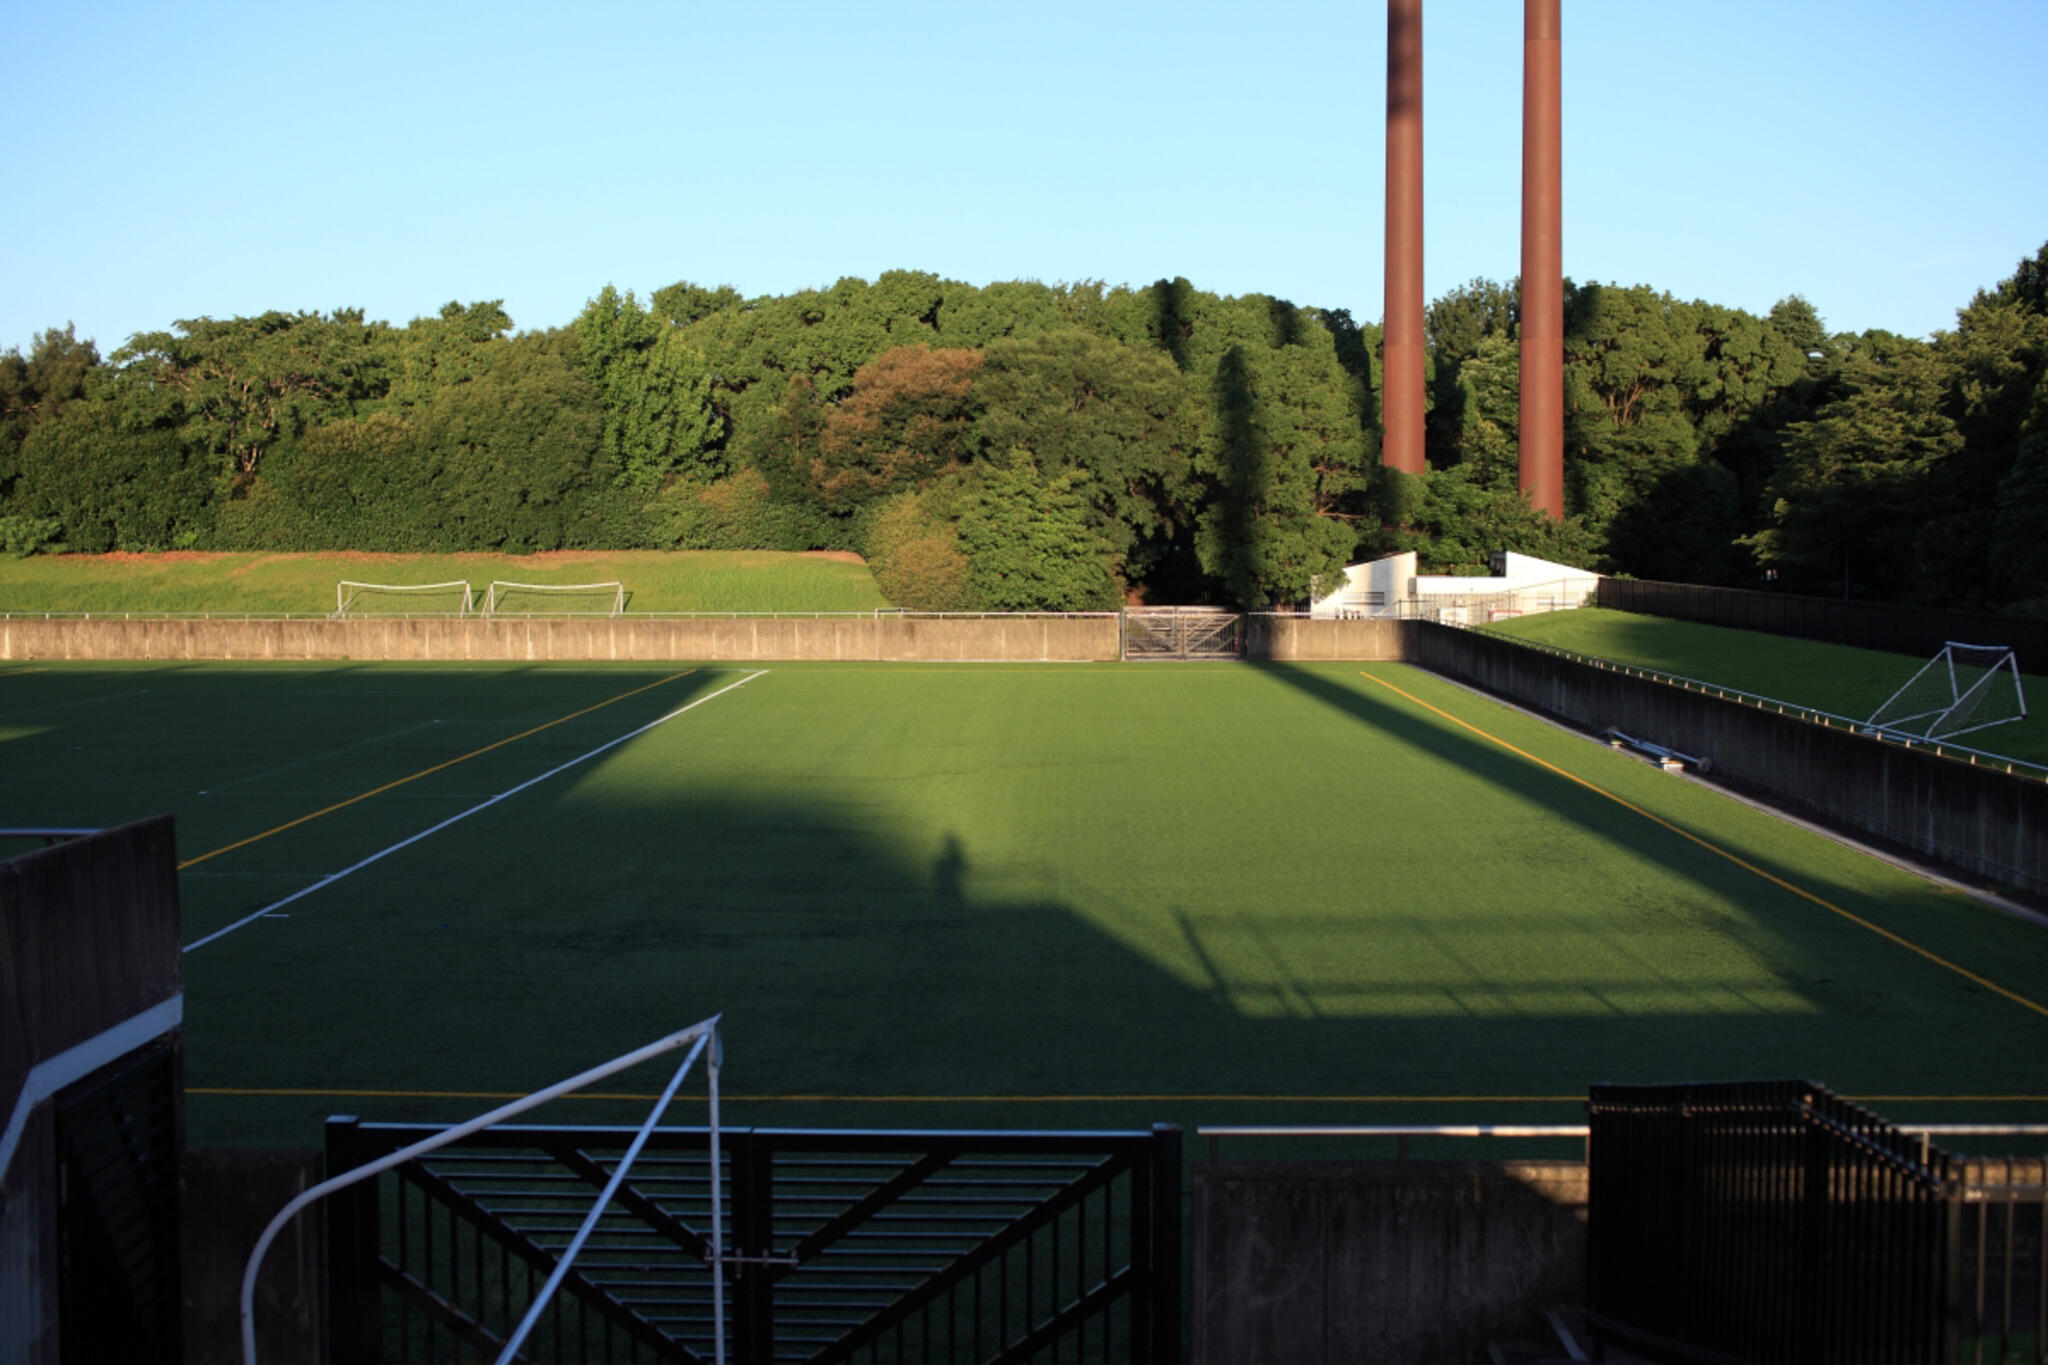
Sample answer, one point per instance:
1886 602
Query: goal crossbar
348 590
500 589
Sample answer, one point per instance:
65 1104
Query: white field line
75 701
409 841
316 758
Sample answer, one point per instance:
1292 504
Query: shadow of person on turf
948 870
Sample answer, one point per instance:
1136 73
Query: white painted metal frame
703 1038
492 594
1943 664
342 595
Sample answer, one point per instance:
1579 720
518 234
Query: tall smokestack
1402 406
1542 421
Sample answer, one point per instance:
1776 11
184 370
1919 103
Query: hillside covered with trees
1022 445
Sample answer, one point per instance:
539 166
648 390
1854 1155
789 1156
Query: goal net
415 599
1962 688
555 599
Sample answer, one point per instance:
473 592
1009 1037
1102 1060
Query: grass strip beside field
1839 679
304 584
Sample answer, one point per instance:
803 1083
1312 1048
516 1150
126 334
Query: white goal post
1964 687
594 599
459 599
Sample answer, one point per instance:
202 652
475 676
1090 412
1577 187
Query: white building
1520 585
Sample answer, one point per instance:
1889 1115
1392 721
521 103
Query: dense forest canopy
1022 445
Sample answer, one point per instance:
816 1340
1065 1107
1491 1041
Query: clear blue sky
1884 159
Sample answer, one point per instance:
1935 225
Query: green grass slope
698 580
1834 678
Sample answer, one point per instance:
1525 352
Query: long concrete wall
895 637
1314 1263
1974 818
1302 639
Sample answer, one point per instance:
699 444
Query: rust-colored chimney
1542 420
1402 403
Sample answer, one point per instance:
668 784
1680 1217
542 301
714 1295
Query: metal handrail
702 1033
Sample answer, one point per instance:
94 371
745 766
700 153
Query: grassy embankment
1834 678
708 580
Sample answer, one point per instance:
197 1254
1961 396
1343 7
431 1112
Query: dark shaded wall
1309 1262
226 1198
88 940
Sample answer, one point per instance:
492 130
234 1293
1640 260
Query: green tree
653 390
916 555
510 460
235 388
1852 490
908 419
113 485
1117 418
35 387
445 350
1030 541
1261 534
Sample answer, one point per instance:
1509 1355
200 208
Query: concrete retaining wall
1978 820
1300 639
1310 1262
889 637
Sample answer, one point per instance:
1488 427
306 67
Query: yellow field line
267 1093
1720 852
425 772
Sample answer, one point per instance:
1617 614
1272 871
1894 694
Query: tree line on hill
1066 447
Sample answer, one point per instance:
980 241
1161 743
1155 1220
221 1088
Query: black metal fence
841 1246
1772 1221
1919 631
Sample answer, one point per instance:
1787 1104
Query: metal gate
841 1246
1182 633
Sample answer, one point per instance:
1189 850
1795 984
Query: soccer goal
553 599
418 599
1962 688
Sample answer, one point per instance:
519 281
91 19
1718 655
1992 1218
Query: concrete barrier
1312 1262
1301 639
901 637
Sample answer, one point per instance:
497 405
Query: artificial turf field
994 896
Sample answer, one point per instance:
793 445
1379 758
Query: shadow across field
868 980
925 947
